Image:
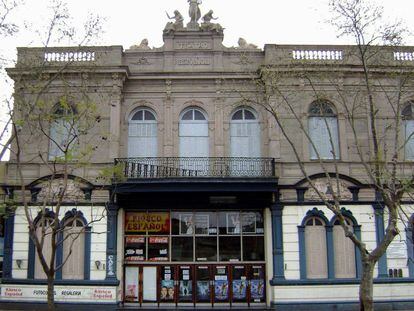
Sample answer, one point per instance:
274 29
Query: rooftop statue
208 25
246 46
194 10
177 24
142 46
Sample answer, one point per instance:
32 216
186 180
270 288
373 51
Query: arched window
63 131
315 244
323 131
193 133
408 117
43 230
142 134
344 251
73 249
244 134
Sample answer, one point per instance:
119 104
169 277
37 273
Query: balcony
176 167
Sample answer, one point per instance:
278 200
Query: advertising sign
138 222
66 293
134 248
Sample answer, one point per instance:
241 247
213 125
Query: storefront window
182 249
158 248
202 236
253 248
229 248
206 248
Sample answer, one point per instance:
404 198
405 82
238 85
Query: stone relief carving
323 186
246 46
142 46
142 61
50 191
177 24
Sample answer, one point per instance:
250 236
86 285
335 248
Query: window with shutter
73 250
344 252
323 131
142 134
63 132
45 225
315 244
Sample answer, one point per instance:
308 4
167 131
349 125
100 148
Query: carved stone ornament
322 186
207 25
177 24
243 45
51 190
142 46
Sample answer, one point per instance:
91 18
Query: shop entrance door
239 288
221 284
167 285
185 285
204 293
192 284
257 284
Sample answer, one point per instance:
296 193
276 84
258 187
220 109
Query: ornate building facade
211 208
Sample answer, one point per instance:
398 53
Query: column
8 245
330 251
277 242
380 232
112 223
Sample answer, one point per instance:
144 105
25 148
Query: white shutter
344 252
244 139
409 146
333 128
316 257
149 284
320 136
193 139
74 267
46 251
315 134
142 139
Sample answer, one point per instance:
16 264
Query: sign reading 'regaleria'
67 293
147 222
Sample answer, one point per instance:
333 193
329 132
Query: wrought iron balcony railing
176 167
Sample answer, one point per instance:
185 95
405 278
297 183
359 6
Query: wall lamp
19 263
98 264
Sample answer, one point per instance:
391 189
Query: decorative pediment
327 189
50 190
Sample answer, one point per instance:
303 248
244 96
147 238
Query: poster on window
186 290
202 223
154 222
203 290
167 290
131 284
257 289
239 289
157 248
134 248
186 224
221 290
249 222
233 223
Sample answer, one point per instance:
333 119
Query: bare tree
54 124
372 98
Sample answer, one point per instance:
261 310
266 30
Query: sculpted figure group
195 15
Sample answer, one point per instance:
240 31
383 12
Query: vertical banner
131 284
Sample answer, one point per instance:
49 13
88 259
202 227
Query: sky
127 22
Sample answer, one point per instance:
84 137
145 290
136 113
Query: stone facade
193 69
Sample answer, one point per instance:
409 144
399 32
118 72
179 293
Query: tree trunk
366 286
50 293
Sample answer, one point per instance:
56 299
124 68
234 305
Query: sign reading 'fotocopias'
158 222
